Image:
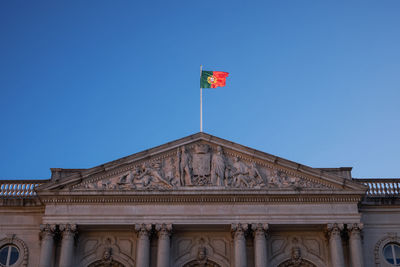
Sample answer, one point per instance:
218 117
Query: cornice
260 197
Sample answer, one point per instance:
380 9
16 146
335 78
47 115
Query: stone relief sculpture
201 165
296 260
201 260
218 168
185 172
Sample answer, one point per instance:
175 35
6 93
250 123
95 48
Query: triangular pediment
200 161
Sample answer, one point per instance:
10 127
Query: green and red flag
213 79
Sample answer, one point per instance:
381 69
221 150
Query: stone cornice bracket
259 229
164 230
355 229
239 230
68 230
47 231
143 230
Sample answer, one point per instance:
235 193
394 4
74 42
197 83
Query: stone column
68 232
163 249
356 255
239 240
335 244
46 252
143 245
260 244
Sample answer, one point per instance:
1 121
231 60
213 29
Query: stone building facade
200 201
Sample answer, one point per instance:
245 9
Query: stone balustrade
381 187
19 188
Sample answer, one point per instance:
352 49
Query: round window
391 252
9 255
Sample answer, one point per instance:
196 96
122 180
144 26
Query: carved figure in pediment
107 184
170 172
255 177
154 176
126 180
201 165
281 179
218 168
240 173
185 172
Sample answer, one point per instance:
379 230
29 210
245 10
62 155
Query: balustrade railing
19 188
382 187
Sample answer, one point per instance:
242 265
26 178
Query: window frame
20 245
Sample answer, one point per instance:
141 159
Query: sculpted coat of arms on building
200 165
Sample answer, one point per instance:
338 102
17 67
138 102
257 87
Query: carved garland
22 247
389 238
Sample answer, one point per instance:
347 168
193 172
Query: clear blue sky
86 82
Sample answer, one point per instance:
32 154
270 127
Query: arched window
391 252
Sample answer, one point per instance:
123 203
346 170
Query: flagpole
201 101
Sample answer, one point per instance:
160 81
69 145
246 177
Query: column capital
334 229
48 228
68 229
143 230
164 230
259 229
239 230
355 227
47 231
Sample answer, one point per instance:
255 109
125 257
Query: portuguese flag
213 79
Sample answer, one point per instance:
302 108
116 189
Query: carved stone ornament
163 230
239 230
143 230
296 260
259 230
334 229
107 260
201 260
197 166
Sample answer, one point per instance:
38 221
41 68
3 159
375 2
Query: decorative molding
236 196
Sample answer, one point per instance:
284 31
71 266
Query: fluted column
260 244
335 244
356 255
163 249
68 232
47 247
239 239
143 245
